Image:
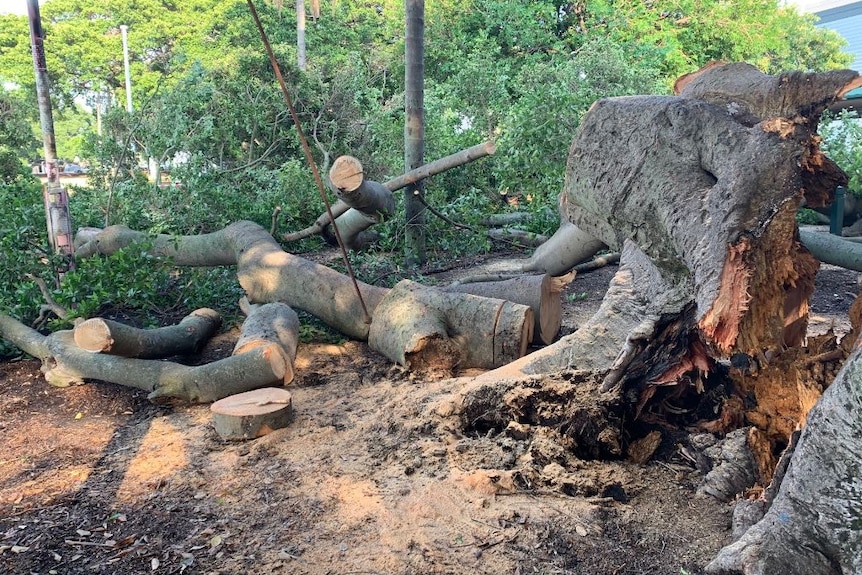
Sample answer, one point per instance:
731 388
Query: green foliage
17 141
842 141
553 97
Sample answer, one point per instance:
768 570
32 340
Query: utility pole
414 129
55 197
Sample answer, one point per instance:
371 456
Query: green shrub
842 141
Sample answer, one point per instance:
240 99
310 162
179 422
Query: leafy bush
842 141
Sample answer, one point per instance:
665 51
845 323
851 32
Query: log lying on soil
100 335
259 367
569 246
833 249
252 414
428 329
267 324
265 271
269 274
24 338
422 172
541 292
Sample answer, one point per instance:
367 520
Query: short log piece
252 414
99 335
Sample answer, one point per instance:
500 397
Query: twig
598 262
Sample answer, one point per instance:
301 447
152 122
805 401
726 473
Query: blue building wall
847 21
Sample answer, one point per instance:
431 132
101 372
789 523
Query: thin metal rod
305 148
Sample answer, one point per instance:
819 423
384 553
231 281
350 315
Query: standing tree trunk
414 129
56 199
300 35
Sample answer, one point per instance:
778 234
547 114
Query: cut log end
346 173
94 335
252 414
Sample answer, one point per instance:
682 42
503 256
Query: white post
124 32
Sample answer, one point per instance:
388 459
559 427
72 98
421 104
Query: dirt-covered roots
588 423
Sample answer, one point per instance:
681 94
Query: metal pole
414 129
56 200
124 33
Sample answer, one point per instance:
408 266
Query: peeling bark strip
189 336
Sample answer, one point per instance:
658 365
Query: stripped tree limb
100 335
426 171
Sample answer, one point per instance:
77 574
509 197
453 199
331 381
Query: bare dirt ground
372 477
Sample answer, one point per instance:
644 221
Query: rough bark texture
106 336
710 201
814 525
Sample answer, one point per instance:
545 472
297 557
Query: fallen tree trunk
269 274
833 249
100 335
426 171
265 271
428 329
540 292
702 200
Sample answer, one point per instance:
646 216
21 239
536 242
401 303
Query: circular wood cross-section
252 414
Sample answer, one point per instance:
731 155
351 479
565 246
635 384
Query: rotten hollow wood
100 335
252 414
541 292
430 330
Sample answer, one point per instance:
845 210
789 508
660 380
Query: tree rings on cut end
252 414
